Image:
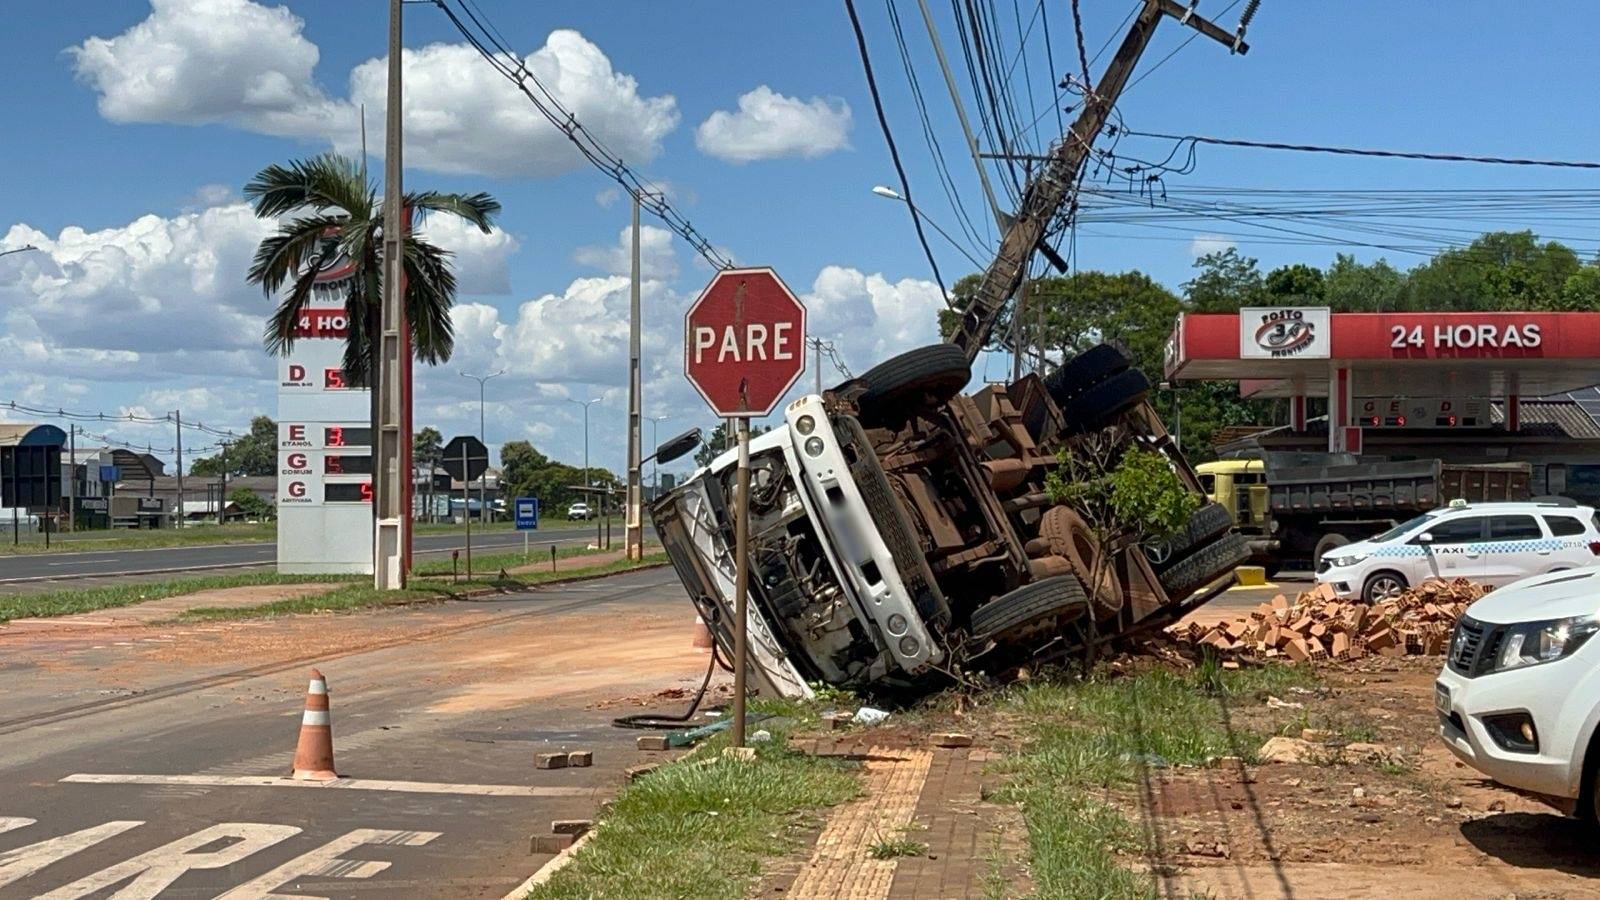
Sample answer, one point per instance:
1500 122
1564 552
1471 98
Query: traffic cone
702 634
313 755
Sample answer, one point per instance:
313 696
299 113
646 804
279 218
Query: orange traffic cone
702 634
313 755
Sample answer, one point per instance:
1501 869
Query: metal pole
178 418
1016 331
388 569
961 114
483 438
222 488
466 506
633 531
816 347
741 579
72 478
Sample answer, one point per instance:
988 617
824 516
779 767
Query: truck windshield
1400 529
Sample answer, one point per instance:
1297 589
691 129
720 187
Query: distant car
1491 543
579 511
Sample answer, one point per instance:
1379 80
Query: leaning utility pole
633 526
388 570
1047 194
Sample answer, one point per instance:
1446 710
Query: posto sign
1278 332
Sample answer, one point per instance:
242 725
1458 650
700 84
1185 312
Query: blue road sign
527 509
110 473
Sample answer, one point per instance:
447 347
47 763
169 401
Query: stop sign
744 342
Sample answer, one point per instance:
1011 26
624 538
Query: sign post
526 510
744 347
465 458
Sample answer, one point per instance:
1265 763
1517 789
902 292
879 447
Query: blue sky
91 146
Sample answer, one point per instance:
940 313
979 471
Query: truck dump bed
1400 488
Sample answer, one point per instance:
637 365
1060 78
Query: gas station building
1466 387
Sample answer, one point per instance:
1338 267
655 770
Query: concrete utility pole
388 570
177 417
483 437
633 525
72 477
1046 195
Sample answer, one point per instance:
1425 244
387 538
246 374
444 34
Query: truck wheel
1043 605
1084 371
1324 544
1383 585
1098 405
1210 520
1204 566
898 386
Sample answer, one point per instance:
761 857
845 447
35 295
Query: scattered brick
550 844
573 827
652 742
550 761
951 739
580 759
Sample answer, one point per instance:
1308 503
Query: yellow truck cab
1240 485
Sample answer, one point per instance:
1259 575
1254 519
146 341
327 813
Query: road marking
348 784
325 862
24 861
12 823
156 870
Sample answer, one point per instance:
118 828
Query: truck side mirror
678 446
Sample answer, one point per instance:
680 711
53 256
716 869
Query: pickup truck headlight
1531 643
1349 559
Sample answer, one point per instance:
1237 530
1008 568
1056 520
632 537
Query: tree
719 441
1294 285
1226 281
255 453
1500 270
250 504
1351 286
426 445
525 472
341 221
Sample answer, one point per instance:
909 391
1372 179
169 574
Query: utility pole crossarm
1045 195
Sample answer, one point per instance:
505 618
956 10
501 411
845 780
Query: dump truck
900 530
1292 507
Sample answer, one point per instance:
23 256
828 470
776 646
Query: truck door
1517 547
1456 550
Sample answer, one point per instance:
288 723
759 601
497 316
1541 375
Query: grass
241 533
494 562
76 600
896 847
702 826
1088 737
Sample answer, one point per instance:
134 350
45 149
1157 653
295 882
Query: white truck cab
1519 696
1493 544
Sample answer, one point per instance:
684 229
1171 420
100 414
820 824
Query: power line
894 152
115 417
1360 151
485 38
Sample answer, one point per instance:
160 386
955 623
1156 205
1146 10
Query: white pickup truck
901 530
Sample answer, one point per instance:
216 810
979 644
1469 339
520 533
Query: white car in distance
1519 696
1492 544
579 510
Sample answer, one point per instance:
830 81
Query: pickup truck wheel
1382 586
1084 371
1044 605
900 385
1204 566
1210 520
1098 405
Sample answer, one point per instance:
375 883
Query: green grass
76 600
1087 737
896 847
86 541
700 828
494 562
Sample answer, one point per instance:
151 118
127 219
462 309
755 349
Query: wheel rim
1386 587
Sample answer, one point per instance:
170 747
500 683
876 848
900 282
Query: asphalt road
113 563
152 763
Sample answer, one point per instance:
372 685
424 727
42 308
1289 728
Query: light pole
585 405
483 438
655 467
892 194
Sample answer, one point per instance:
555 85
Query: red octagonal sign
744 342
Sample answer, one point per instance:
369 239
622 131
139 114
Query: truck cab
1240 487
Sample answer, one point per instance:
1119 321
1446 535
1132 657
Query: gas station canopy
1298 352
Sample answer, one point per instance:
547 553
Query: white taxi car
1491 543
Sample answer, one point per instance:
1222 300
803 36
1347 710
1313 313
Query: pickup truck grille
1473 647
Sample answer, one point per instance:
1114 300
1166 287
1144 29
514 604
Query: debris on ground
867 715
1317 626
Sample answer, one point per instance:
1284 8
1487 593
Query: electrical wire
1360 151
894 152
167 419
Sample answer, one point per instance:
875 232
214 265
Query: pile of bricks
1316 626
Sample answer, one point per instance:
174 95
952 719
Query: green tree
1351 286
1500 270
426 445
250 504
1295 285
338 217
255 453
1224 281
1582 290
718 442
526 472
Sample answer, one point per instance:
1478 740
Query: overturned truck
901 530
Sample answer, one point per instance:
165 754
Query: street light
890 193
585 405
483 437
655 466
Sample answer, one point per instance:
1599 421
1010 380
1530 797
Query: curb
555 864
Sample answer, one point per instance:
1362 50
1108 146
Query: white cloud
870 318
239 63
480 260
768 125
1209 243
656 256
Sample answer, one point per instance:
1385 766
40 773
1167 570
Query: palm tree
341 227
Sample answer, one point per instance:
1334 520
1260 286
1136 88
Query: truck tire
902 384
1330 541
1204 566
1069 537
1210 520
1043 605
1097 406
1084 371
